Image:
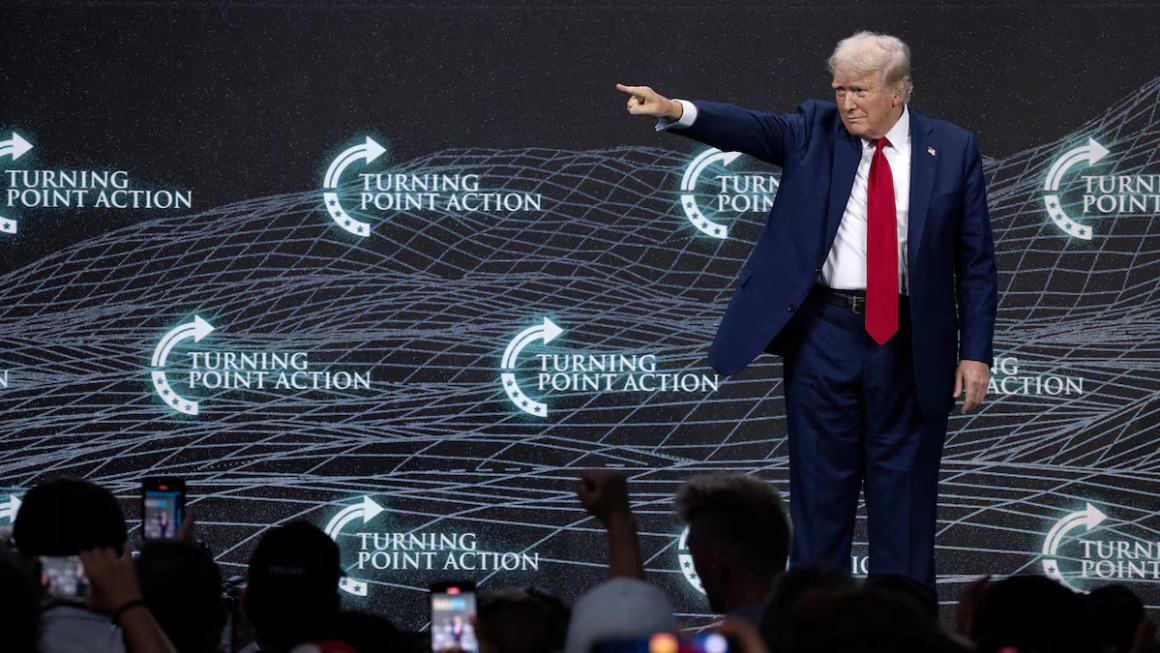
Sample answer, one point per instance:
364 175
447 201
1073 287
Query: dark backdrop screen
404 271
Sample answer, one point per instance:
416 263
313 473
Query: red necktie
881 250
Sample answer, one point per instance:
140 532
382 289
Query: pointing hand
647 102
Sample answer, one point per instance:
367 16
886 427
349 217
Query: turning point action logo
454 192
738 193
591 373
418 551
58 189
1130 557
366 511
241 370
1120 195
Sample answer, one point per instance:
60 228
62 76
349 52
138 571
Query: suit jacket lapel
922 166
847 156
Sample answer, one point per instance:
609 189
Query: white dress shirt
845 267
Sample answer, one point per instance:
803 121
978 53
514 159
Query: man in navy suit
874 278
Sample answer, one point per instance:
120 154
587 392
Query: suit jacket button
791 308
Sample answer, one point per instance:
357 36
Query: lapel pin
931 150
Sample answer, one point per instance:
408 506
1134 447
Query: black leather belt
851 300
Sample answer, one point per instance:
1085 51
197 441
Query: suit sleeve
976 282
760 134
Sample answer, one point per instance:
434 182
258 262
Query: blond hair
868 53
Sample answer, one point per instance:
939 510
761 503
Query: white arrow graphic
16 146
197 330
689 182
9 508
1092 153
1091 517
368 151
367 510
547 332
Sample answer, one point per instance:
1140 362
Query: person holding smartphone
115 592
75 534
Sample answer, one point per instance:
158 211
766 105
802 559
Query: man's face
868 107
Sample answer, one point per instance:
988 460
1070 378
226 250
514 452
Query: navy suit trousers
854 423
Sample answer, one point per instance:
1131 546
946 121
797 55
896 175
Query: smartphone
162 507
452 611
63 578
665 643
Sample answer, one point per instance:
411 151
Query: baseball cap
297 557
618 608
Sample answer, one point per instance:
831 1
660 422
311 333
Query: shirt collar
899 134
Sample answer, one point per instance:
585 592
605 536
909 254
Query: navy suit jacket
951 255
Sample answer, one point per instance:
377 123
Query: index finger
635 90
979 392
971 401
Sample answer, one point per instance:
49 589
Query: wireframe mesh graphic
427 303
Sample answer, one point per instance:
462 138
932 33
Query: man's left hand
972 378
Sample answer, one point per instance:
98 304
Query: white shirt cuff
688 115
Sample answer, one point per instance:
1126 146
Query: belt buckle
858 310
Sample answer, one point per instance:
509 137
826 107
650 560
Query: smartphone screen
162 504
63 578
452 610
